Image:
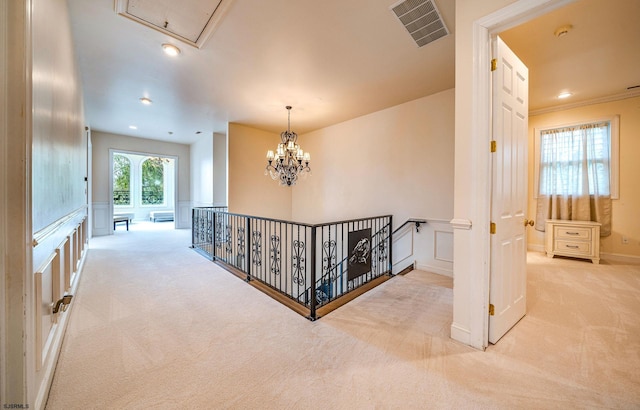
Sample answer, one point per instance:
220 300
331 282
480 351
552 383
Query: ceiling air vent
422 20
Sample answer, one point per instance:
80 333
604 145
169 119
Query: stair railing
292 258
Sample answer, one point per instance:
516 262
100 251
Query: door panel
507 292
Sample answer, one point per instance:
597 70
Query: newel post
312 309
213 235
390 245
248 245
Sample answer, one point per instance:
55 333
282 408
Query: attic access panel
422 19
190 21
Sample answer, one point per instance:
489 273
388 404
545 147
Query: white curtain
574 182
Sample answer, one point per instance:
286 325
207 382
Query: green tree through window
121 180
153 181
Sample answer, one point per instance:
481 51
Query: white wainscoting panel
44 297
436 239
60 257
402 247
443 246
183 215
430 249
102 221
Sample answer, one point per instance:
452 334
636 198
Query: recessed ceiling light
170 49
564 95
146 101
133 127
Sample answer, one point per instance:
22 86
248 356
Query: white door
507 292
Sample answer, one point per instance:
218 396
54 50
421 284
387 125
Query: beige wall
103 141
59 161
250 191
396 161
209 170
220 169
201 153
58 172
410 144
625 218
101 169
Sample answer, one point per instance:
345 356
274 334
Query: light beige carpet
156 326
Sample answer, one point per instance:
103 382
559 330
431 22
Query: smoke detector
563 30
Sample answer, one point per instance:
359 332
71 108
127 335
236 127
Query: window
571 158
121 180
153 181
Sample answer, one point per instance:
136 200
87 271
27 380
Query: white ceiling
332 60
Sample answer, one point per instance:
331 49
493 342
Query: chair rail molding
459 223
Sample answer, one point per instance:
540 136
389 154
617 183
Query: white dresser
578 239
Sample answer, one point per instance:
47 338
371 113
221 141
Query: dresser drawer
573 247
572 233
577 239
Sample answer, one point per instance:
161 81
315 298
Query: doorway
473 182
143 189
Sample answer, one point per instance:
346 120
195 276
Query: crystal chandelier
289 160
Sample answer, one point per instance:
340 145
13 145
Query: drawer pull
573 246
572 233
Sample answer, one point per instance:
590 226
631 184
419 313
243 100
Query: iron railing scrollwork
282 254
274 257
204 228
256 246
121 197
298 262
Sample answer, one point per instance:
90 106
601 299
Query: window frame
164 185
131 190
614 153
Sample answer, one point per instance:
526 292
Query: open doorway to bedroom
143 191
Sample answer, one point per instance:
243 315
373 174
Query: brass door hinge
492 228
494 64
492 309
494 145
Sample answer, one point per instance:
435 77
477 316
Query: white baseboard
620 258
460 334
535 247
435 269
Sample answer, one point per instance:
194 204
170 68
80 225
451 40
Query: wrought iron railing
311 265
202 229
121 197
152 196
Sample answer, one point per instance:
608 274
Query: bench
155 216
120 218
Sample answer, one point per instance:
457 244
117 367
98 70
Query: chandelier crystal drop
289 161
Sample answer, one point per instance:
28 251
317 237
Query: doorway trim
175 177
484 29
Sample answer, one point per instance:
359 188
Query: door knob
529 222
